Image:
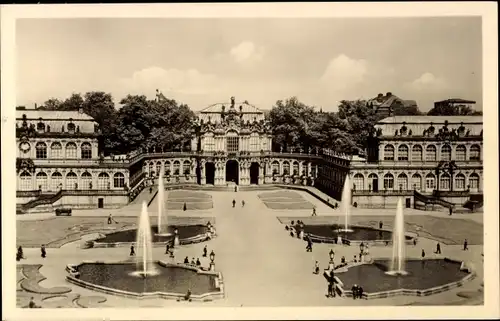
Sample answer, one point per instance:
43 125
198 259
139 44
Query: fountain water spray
398 243
162 213
346 204
144 248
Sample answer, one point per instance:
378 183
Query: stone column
203 180
261 173
78 151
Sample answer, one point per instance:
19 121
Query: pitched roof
423 119
245 108
456 101
386 101
52 114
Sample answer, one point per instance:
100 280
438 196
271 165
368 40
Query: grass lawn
285 200
58 231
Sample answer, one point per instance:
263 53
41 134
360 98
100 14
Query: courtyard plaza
261 264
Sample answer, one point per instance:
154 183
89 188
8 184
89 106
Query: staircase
430 200
45 199
474 202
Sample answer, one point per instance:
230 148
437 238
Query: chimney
380 95
389 94
36 107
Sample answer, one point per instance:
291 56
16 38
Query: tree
451 109
51 104
291 122
75 102
159 123
400 110
360 121
100 106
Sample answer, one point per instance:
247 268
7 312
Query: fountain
162 213
398 243
144 249
346 204
146 278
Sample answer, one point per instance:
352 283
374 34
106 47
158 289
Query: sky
200 62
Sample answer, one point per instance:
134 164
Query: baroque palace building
58 162
429 160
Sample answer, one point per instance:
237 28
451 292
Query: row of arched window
431 153
402 182
290 168
176 170
57 152
71 181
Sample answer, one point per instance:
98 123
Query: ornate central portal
232 171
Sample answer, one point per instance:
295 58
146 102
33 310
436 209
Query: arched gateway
232 171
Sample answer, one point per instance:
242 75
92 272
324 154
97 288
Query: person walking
44 252
309 245
205 251
234 203
380 225
184 208
438 248
330 290
186 260
466 248
316 267
167 249
132 250
451 211
423 254
243 203
110 219
331 280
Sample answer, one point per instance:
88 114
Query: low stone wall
73 278
190 240
407 292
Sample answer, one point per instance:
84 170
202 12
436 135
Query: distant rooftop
249 111
35 114
422 119
456 101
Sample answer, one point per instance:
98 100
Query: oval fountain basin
167 279
376 279
355 233
129 236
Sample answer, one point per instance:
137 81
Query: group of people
357 292
20 253
242 203
193 262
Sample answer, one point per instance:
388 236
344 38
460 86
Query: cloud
246 51
428 82
344 73
176 81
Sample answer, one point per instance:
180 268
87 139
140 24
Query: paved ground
261 264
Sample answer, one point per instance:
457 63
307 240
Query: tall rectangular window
232 144
254 143
209 144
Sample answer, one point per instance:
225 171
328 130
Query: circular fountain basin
168 280
420 277
329 233
187 234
